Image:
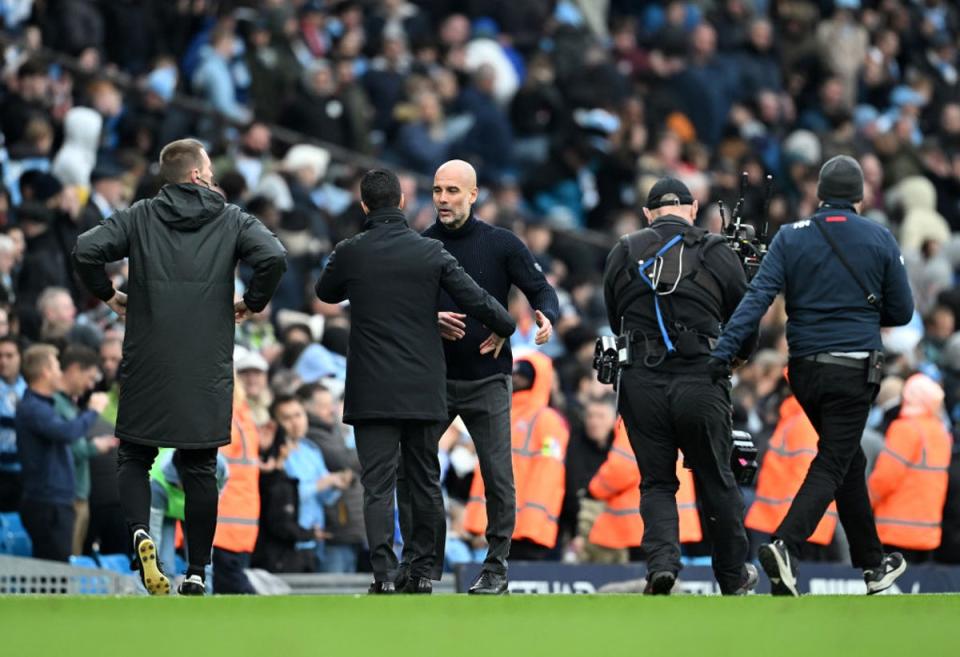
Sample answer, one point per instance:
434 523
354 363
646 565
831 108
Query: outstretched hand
494 343
545 328
452 326
241 312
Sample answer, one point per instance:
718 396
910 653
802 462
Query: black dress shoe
489 583
418 585
382 588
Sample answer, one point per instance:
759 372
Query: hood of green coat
187 207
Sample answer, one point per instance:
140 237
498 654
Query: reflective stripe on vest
626 455
538 507
922 465
237 521
785 500
525 450
908 523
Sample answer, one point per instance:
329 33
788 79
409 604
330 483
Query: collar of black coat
458 233
384 216
671 220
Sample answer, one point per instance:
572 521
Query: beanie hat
841 179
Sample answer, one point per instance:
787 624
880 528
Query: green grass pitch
458 626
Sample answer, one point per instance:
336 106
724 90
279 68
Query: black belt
828 359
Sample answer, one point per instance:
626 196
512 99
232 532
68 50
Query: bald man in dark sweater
478 382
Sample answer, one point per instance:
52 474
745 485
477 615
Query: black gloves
718 369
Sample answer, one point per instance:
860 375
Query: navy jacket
44 441
826 309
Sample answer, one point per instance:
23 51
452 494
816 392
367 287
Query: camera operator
668 288
843 277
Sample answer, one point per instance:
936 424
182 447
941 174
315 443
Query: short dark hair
380 188
78 354
280 400
15 341
308 390
178 158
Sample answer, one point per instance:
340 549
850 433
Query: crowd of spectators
569 110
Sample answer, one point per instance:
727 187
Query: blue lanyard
656 299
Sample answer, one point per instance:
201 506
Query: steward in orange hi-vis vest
908 485
617 482
239 510
539 440
792 448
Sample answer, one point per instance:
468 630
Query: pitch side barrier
815 578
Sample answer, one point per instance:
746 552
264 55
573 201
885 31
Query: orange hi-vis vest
239 511
908 485
792 448
617 482
539 440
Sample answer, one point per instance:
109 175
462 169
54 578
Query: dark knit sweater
496 259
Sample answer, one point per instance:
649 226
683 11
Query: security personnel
908 485
843 278
396 389
667 290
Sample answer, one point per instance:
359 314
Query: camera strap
871 297
643 267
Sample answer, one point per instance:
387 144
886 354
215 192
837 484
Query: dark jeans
837 400
11 489
228 575
379 446
50 527
198 472
666 412
484 407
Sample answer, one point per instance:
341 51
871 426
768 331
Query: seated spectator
587 451
44 440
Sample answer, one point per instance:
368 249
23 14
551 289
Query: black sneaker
779 566
192 585
660 583
145 560
489 583
882 578
750 579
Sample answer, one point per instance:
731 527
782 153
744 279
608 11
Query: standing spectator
424 144
214 80
43 443
344 518
12 387
586 453
318 487
58 313
317 110
109 194
31 99
79 367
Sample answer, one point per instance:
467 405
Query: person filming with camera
843 278
668 288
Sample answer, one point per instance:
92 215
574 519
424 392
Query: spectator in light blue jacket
214 80
318 486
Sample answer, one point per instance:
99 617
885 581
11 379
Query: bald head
454 192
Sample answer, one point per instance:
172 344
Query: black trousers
50 527
228 575
198 472
837 400
379 446
663 413
484 407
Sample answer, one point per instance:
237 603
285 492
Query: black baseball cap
666 186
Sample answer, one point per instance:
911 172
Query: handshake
721 369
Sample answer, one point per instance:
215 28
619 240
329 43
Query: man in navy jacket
44 442
833 330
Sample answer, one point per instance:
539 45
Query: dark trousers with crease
837 400
484 407
198 472
379 447
666 412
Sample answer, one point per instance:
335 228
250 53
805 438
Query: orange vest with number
792 448
239 511
908 485
539 440
617 482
